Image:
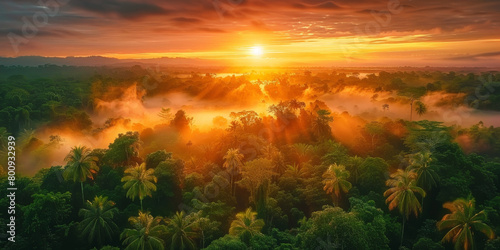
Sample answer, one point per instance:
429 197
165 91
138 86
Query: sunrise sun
256 51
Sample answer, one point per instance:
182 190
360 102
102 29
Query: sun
256 51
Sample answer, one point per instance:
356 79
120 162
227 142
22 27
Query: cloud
123 9
211 30
119 26
476 56
186 20
327 5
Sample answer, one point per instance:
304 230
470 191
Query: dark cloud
327 5
185 20
124 9
282 15
320 6
211 30
288 21
476 56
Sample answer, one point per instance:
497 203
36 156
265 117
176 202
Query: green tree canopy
98 224
123 149
246 225
182 230
80 166
139 182
335 180
333 228
463 222
145 233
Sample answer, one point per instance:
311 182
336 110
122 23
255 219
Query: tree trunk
423 204
411 109
231 183
141 204
402 231
203 239
83 197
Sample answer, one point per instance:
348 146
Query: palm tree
427 178
139 181
25 137
80 165
295 171
294 104
269 151
182 229
402 195
321 127
145 234
385 107
462 223
272 153
352 165
420 108
234 125
233 161
303 151
335 180
166 114
98 224
246 225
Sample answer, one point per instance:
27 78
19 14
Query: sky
259 33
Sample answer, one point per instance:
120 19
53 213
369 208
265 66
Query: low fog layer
137 106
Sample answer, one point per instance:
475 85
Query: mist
133 107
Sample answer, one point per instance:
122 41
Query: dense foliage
283 180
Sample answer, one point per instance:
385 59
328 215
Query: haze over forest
299 124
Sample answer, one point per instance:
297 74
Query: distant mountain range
181 62
104 61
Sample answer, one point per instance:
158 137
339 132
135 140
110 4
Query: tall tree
182 230
272 153
97 224
254 174
295 171
402 195
420 108
427 178
375 130
462 222
181 121
352 165
335 180
124 149
246 225
321 126
166 114
232 162
139 182
80 165
246 118
304 152
295 105
145 234
385 107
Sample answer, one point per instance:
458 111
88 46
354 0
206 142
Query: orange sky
284 32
